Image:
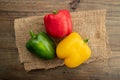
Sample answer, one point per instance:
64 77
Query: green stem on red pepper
54 12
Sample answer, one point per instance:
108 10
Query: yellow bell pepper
74 50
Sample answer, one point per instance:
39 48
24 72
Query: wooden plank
114 42
94 71
9 56
34 6
11 15
113 29
7 34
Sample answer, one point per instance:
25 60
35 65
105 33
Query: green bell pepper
41 45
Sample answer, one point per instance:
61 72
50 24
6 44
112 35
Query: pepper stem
54 12
32 34
86 40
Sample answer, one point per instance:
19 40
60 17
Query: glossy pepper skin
74 50
58 24
41 45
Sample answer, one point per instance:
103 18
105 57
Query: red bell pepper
58 24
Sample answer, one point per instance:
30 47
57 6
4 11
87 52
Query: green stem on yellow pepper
86 40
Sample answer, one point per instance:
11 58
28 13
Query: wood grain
10 67
34 6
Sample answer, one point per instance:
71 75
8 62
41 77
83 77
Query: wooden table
10 67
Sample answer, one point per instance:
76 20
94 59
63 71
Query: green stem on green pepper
32 34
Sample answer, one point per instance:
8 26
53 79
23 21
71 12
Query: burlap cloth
89 24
